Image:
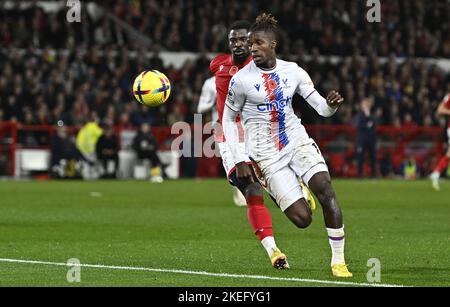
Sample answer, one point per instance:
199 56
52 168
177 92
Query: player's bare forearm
444 113
334 99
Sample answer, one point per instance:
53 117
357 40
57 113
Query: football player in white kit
207 103
276 140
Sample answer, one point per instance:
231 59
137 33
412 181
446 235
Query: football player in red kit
443 109
223 67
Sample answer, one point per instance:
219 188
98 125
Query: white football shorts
227 158
280 178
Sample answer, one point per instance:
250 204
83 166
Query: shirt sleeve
207 97
305 85
231 132
306 89
236 95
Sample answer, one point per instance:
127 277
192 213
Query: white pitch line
127 268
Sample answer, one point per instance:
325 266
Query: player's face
238 45
262 47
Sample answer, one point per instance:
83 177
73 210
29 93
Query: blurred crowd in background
408 28
91 72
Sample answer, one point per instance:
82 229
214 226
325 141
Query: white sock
435 175
337 241
269 245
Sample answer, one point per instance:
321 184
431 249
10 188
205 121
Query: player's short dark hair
267 23
240 24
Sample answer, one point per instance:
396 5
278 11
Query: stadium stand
54 71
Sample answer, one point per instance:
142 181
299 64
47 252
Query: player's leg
260 219
288 194
239 198
308 163
284 188
258 215
299 213
440 166
320 184
308 195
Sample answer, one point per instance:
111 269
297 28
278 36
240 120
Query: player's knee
299 215
325 193
302 220
327 197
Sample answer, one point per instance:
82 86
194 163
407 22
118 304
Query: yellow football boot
341 270
279 260
308 196
155 175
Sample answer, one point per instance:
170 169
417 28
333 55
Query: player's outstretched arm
326 107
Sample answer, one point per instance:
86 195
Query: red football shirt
223 67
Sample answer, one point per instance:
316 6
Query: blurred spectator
409 28
143 115
146 147
176 115
155 62
124 121
27 137
386 168
107 150
409 167
64 155
87 138
366 137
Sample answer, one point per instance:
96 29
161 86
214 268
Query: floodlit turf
192 225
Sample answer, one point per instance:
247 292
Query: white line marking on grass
127 268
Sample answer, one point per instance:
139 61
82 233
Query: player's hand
334 99
244 172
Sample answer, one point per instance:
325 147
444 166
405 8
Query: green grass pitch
192 225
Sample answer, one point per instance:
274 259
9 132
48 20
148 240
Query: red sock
442 164
259 217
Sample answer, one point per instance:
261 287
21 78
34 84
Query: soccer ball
151 88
